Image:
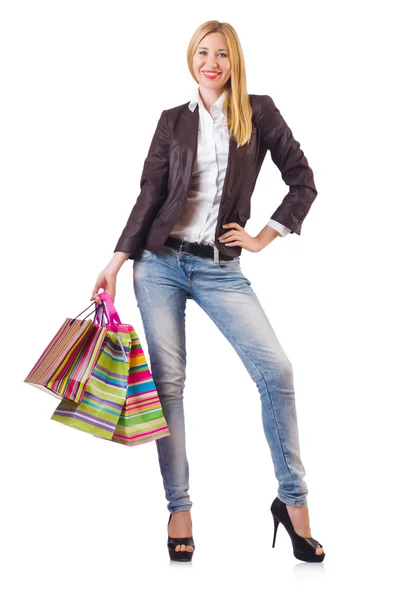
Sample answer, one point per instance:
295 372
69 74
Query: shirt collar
215 108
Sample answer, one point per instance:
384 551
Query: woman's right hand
106 280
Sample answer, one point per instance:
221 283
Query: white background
82 87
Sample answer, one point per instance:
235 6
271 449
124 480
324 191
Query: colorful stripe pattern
105 391
67 341
70 378
142 419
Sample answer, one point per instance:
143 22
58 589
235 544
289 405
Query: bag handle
106 308
110 307
83 311
110 311
113 319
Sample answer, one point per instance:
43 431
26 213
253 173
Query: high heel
304 548
180 555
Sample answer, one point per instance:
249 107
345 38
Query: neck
209 96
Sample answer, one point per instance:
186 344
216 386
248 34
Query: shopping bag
120 402
141 419
66 364
105 391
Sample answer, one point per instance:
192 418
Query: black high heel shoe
304 548
181 555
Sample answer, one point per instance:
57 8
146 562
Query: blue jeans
163 281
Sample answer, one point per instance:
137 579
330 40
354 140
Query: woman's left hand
239 237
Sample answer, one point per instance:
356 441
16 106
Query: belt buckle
216 256
182 246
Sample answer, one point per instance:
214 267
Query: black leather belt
194 248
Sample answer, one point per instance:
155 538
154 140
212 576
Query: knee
169 376
285 372
170 387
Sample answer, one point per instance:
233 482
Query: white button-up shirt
197 222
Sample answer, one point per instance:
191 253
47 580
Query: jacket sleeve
287 154
153 184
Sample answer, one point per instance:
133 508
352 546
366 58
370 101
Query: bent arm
288 156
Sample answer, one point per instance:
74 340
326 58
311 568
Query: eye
204 52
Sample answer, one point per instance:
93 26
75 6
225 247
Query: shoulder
263 104
175 111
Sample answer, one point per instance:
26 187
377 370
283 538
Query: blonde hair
237 106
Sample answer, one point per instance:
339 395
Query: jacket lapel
186 133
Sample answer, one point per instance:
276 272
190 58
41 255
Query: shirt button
182 263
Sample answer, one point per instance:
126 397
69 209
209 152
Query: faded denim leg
161 299
226 295
163 281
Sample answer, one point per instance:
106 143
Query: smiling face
211 63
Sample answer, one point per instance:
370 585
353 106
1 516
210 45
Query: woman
199 176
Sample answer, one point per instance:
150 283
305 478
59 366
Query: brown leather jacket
168 170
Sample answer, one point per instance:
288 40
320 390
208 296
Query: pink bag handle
110 306
113 319
110 312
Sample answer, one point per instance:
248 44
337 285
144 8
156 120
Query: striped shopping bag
120 402
66 364
142 419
